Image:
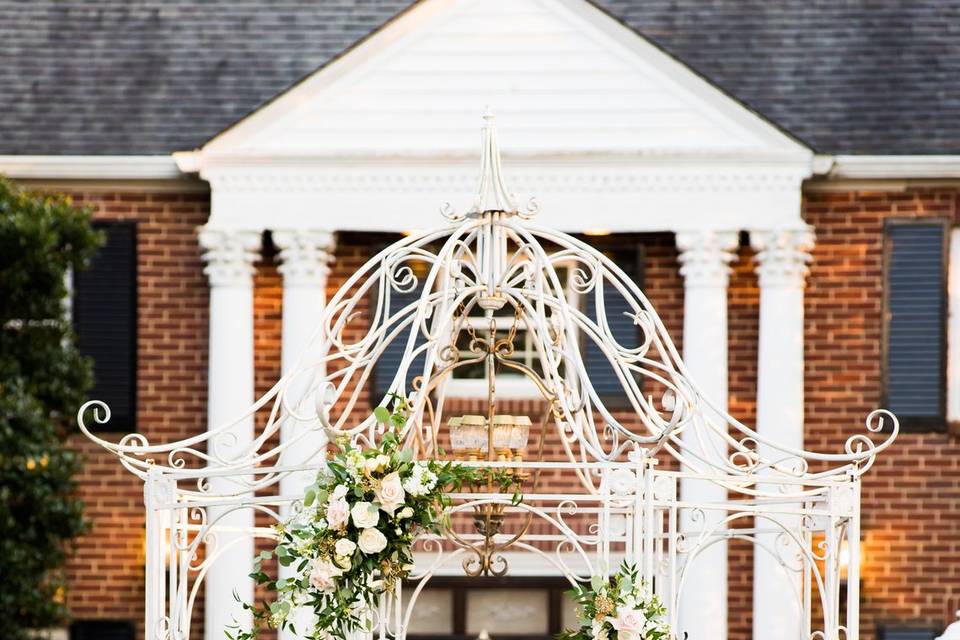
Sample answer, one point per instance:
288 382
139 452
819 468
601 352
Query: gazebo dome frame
799 506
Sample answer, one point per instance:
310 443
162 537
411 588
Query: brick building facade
350 152
911 553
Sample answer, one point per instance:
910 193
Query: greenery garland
352 540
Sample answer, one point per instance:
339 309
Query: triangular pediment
561 75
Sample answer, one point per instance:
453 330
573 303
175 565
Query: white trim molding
953 329
90 167
893 167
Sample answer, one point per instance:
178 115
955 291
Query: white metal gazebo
461 297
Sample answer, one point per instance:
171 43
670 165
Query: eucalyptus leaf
382 414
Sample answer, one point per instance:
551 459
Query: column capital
305 256
783 256
705 256
229 254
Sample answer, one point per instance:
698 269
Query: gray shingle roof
155 76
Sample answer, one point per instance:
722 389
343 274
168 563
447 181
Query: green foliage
621 606
342 566
43 380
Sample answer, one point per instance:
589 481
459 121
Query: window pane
507 611
618 314
393 354
433 613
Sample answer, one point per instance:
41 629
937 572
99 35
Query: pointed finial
492 193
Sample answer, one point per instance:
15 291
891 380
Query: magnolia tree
43 378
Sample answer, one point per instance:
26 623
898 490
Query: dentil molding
441 180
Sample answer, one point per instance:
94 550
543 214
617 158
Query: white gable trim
402 31
314 158
635 44
417 16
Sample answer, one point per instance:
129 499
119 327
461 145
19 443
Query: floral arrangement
352 540
621 606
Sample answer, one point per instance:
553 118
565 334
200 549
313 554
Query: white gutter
90 167
174 166
892 167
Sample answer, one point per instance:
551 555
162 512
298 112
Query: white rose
370 465
323 575
629 623
406 512
598 630
345 547
372 541
338 513
339 492
365 515
390 493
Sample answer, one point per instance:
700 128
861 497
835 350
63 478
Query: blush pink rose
390 493
324 574
629 623
338 513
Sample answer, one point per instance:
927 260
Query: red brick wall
106 572
911 497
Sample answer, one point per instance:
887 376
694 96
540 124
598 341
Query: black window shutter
916 296
102 630
601 373
392 356
105 317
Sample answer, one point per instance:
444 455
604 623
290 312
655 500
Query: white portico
611 134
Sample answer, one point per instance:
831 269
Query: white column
304 257
704 259
229 256
782 269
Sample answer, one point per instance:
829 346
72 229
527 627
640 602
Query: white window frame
512 386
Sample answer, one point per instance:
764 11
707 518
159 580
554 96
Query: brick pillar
229 256
782 259
705 257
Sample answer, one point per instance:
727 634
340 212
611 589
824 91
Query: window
618 313
105 318
915 323
517 608
469 381
392 356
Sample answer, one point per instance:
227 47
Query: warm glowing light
596 232
845 558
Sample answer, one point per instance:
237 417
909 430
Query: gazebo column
229 256
705 257
304 259
782 269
